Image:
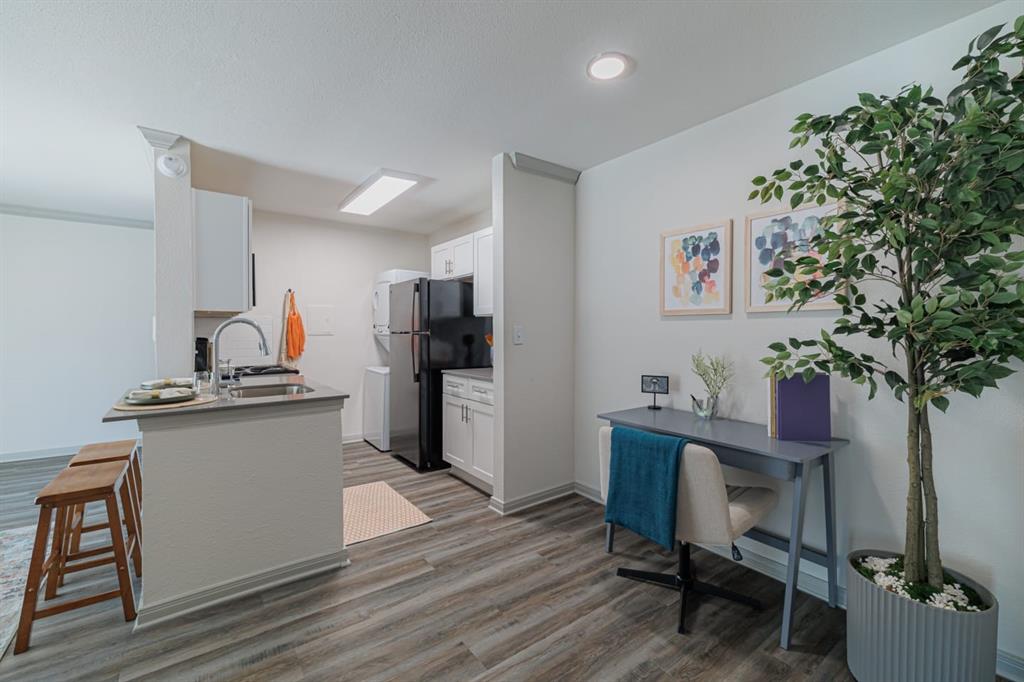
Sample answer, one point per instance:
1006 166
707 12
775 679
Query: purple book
803 411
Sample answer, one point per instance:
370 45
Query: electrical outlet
518 336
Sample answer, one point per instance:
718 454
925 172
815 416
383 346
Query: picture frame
654 383
695 270
759 239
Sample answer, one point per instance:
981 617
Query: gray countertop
478 373
319 393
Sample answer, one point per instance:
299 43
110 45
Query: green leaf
794 342
808 375
905 317
752 195
941 402
1013 161
796 199
759 180
778 346
985 38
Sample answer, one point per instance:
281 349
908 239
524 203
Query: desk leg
796 533
828 479
609 537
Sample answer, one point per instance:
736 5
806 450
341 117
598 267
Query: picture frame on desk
655 384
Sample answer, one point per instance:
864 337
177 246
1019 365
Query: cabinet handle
253 280
463 408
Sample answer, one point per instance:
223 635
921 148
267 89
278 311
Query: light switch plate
319 320
518 336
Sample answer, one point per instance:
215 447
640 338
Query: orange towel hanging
296 332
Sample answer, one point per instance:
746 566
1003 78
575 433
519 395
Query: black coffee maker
202 363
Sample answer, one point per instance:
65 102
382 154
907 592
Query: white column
173 334
534 243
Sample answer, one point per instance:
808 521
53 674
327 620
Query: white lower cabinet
468 438
481 423
457 437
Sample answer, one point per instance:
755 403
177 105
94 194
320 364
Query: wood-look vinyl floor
470 596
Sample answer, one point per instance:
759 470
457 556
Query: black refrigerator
432 328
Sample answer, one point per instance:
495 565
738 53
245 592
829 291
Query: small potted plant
716 372
924 255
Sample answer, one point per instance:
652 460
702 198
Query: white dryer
382 298
376 425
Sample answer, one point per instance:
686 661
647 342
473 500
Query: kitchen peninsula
239 494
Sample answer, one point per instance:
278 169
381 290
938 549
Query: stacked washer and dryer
376 383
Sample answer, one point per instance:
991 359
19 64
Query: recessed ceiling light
608 66
377 191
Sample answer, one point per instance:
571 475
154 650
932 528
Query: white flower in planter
891 583
878 564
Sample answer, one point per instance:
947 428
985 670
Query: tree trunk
931 504
913 551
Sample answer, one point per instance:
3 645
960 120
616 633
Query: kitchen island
240 494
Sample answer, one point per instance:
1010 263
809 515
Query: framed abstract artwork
695 270
769 237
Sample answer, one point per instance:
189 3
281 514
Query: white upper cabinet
440 261
471 255
452 259
223 262
462 256
483 272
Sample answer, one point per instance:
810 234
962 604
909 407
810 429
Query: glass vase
707 408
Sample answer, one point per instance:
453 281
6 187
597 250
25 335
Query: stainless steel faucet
264 348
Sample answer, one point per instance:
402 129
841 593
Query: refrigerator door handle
414 343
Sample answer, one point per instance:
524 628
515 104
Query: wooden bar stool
71 487
98 453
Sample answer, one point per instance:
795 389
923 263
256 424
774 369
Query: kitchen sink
269 391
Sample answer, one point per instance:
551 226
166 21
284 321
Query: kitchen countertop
319 393
478 373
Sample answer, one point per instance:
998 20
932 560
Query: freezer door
404 398
404 313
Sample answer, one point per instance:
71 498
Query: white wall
334 264
533 226
703 175
468 225
76 307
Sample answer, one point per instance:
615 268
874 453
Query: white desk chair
716 505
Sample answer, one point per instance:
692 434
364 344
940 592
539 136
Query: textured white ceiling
295 103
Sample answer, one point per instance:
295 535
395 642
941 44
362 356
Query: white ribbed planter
893 639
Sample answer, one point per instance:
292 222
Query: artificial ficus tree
931 212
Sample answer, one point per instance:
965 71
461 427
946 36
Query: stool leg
56 553
66 541
76 531
124 581
35 575
134 541
135 478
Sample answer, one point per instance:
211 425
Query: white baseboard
150 614
584 490
505 507
1010 666
349 438
25 455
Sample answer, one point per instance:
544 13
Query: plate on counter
160 396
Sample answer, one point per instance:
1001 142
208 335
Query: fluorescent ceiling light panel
376 192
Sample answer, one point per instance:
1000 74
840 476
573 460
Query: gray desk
748 446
